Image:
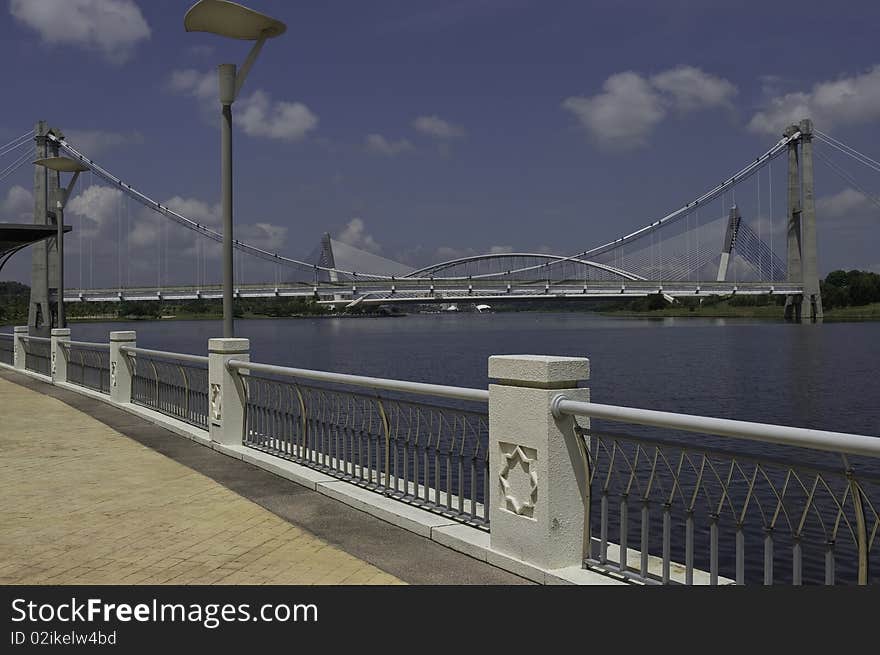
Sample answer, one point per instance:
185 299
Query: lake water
818 376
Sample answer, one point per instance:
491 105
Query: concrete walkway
99 496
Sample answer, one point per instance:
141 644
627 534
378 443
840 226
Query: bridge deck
427 291
93 506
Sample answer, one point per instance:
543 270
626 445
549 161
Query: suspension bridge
713 244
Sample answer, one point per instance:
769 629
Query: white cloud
101 205
355 234
18 205
195 209
691 89
378 144
436 127
624 114
263 235
844 101
259 115
189 81
842 204
112 27
93 142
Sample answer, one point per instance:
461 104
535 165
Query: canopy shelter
15 236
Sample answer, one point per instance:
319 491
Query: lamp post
62 165
234 21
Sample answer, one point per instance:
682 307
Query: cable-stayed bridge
714 244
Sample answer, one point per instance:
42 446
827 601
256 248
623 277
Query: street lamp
62 165
234 21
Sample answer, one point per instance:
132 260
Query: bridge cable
840 145
252 250
12 146
14 166
16 143
848 178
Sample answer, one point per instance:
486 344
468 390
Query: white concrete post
121 365
58 354
538 486
18 354
225 391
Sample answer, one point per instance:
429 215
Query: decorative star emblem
518 456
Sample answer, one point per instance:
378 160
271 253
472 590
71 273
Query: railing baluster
644 544
667 541
603 528
460 483
768 556
474 486
861 528
624 532
448 480
689 548
796 561
740 555
713 549
829 563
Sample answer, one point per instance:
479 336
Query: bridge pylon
803 266
729 243
43 306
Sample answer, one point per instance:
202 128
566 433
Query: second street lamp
234 21
62 165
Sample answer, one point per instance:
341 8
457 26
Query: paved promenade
86 504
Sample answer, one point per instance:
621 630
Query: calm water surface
819 376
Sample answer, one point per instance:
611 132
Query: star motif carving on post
511 459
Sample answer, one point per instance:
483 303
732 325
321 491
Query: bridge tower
42 309
729 243
802 258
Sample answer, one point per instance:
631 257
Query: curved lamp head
62 165
232 20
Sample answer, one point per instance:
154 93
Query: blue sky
424 130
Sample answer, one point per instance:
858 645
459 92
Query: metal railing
174 384
733 514
7 349
88 364
427 454
37 357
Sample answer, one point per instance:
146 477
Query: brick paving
84 504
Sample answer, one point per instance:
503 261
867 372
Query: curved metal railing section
781 513
380 436
174 384
37 356
7 349
88 364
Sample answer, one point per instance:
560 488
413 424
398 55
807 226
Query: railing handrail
6 335
838 442
37 339
161 354
85 344
405 386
